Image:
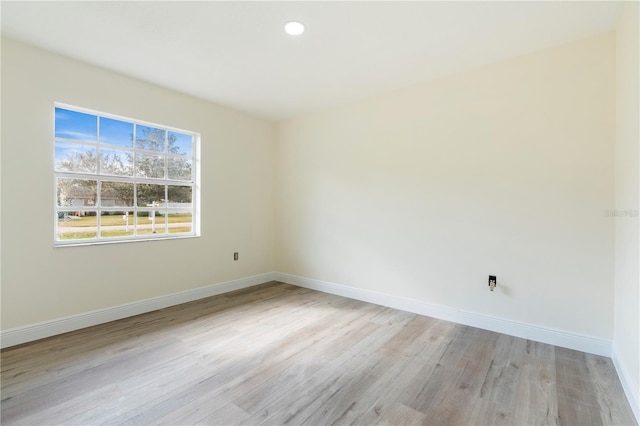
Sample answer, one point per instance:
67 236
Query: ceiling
237 54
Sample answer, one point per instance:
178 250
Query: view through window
119 179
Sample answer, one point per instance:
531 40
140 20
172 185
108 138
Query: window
118 179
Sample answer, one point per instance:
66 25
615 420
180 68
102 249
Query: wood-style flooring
278 354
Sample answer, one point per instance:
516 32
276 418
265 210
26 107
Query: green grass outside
179 230
108 234
112 220
76 235
111 234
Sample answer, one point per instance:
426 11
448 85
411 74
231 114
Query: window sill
59 244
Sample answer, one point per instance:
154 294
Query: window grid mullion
116 178
166 158
135 209
166 209
135 150
98 209
99 182
98 205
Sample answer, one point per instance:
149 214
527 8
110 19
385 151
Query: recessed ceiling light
294 28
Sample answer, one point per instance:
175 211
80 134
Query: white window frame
194 183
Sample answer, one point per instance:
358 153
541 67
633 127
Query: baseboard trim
18 335
630 389
576 341
565 339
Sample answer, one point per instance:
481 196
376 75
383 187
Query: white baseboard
630 389
580 342
18 335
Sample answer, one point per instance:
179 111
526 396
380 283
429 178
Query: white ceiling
237 54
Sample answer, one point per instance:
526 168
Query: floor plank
279 354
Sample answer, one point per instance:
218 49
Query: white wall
419 193
40 282
424 192
626 336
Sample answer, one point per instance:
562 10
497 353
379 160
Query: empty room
320 213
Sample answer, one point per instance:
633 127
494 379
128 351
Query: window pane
76 225
73 157
115 162
179 168
76 125
150 138
116 132
179 143
150 166
180 221
179 197
150 222
116 224
150 195
77 192
117 180
116 194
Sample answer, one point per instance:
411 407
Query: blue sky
116 132
76 125
84 127
184 142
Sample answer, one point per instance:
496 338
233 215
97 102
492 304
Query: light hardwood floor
278 354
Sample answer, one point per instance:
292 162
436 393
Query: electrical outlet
493 282
235 256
